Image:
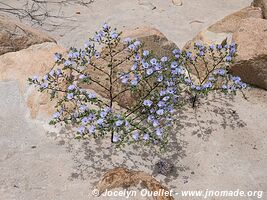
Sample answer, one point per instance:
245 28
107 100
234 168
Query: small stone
177 2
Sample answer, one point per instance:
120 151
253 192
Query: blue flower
207 85
162 93
114 35
148 103
45 77
70 96
134 67
164 59
58 72
170 90
91 129
174 65
103 114
243 85
137 57
150 118
56 115
159 132
161 104
83 108
160 78
137 43
146 137
188 54
97 38
82 76
134 82
228 58
211 78
219 47
198 88
157 67
91 117
187 80
85 120
119 123
136 135
176 51
153 61
127 40
155 123
145 53
166 98
57 57
100 121
91 95
71 87
44 85
81 129
73 54
115 138
67 63
97 55
149 71
52 72
201 53
87 44
212 47
236 79
35 78
106 26
177 55
219 72
145 65
160 112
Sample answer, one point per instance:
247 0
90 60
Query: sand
221 145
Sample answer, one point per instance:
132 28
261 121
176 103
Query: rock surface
15 36
153 40
251 62
263 5
221 145
248 30
19 66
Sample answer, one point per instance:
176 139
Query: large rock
251 62
153 40
15 36
263 5
231 23
224 28
246 28
19 66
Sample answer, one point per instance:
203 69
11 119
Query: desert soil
221 145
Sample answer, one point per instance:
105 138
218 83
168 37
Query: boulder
224 28
231 23
251 62
19 66
248 30
263 5
15 36
153 40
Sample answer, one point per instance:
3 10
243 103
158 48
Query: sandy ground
219 146
178 23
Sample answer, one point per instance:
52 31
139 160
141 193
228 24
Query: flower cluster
206 69
158 82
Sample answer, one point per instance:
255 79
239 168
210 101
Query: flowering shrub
157 82
213 75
